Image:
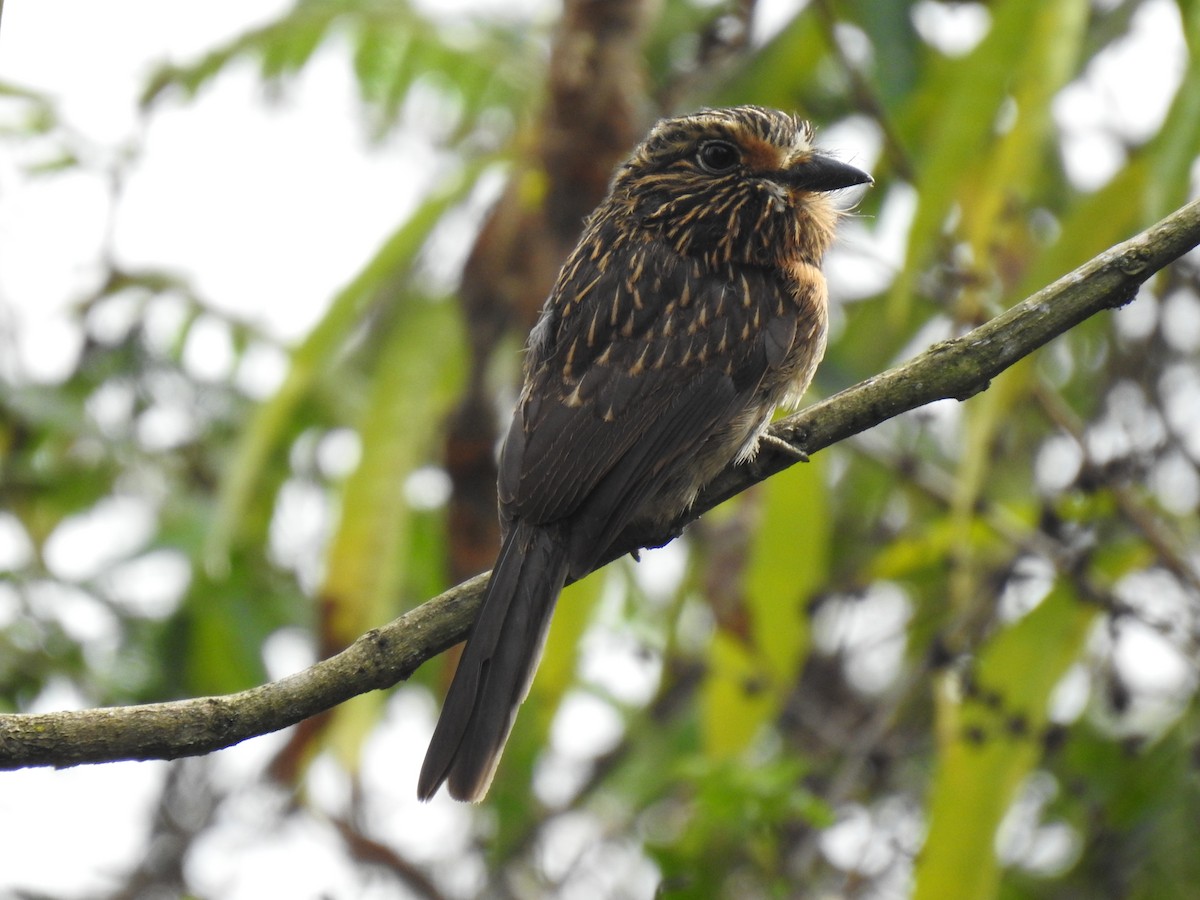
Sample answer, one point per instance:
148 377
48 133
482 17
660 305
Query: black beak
824 173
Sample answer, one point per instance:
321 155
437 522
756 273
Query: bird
691 308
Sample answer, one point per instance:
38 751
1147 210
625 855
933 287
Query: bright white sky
275 261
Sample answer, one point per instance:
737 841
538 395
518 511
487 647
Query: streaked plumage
692 307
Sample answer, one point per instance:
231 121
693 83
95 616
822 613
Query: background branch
957 368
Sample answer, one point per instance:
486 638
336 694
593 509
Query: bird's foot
783 447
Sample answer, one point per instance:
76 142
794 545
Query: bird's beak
823 173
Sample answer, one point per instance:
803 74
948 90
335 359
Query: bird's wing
629 381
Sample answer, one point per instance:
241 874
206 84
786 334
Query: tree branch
958 368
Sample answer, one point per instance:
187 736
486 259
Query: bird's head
739 185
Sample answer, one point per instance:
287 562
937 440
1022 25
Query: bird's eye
718 157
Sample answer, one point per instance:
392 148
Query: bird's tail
497 665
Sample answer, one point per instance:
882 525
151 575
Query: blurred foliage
396 51
954 657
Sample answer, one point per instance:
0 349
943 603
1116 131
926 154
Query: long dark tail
497 664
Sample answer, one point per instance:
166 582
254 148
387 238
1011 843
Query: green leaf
789 562
415 380
990 739
776 74
749 679
395 48
736 698
961 126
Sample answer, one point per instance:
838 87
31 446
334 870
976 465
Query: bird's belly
738 440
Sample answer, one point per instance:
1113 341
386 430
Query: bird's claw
786 448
